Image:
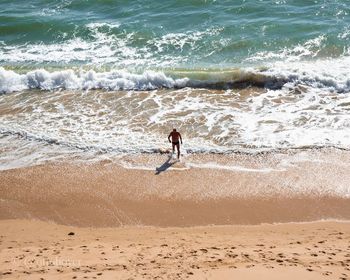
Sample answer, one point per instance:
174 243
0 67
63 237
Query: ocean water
112 77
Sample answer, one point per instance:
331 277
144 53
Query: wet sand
107 194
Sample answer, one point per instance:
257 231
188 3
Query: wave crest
323 74
67 79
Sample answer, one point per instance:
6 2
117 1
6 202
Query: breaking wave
330 74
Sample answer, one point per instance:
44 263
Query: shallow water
114 77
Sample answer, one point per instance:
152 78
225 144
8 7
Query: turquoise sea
167 35
231 75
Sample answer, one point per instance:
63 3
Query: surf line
232 168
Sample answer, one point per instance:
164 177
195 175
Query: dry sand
41 250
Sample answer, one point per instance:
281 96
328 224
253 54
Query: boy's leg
178 150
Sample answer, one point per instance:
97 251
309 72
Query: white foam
180 40
151 168
188 164
213 165
96 25
305 64
284 119
11 81
140 121
307 111
68 79
324 73
104 46
309 49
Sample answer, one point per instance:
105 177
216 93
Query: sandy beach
42 250
94 97
145 218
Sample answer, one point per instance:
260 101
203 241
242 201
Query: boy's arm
169 137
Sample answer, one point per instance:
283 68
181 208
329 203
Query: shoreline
109 194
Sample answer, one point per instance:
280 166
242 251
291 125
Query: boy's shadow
165 165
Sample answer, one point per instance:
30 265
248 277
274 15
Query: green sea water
162 34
